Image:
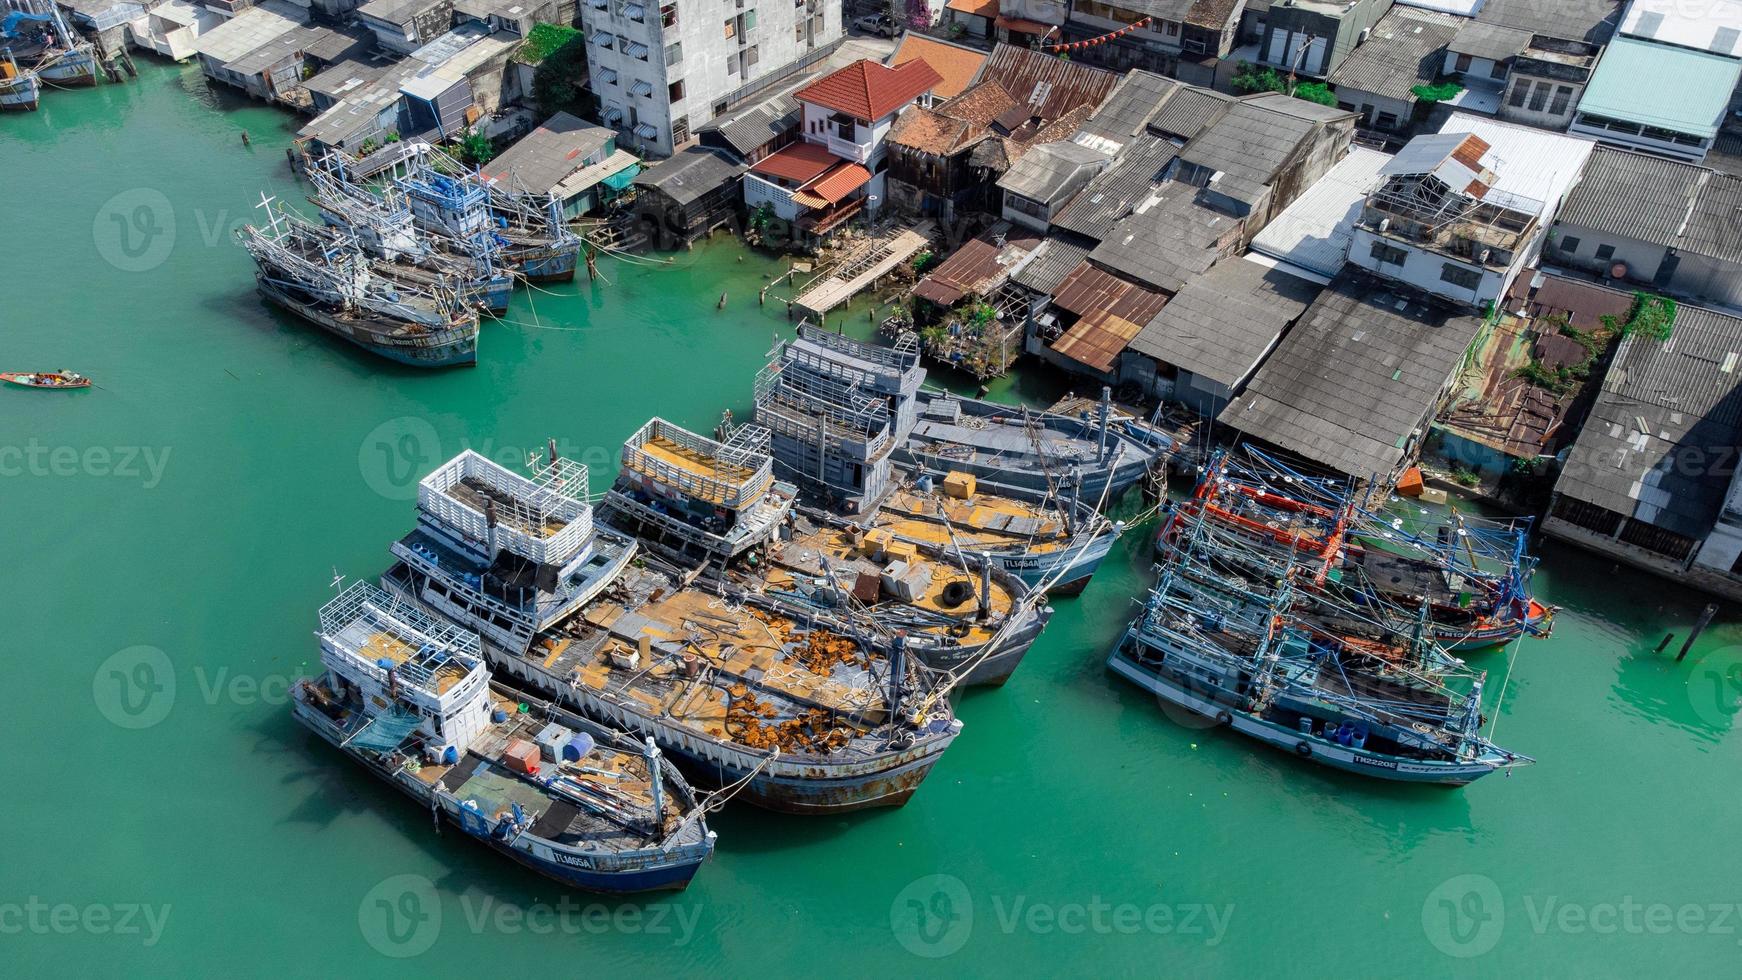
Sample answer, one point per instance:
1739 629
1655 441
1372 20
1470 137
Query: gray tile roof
1122 116
1491 41
748 128
1224 321
560 146
1406 49
395 11
1633 194
1187 113
1167 240
1248 145
1573 20
1049 170
1354 378
1715 226
1113 192
691 173
1660 441
1047 266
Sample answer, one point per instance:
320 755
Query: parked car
881 25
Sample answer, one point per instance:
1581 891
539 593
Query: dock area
873 260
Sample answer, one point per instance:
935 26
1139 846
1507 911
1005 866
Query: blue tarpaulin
385 732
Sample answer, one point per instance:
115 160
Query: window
1462 64
1385 120
674 91
1520 92
1459 276
668 14
1023 205
1605 253
731 28
1172 28
1569 244
1498 69
1563 96
674 52
1388 254
1539 96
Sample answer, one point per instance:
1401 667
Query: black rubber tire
955 594
1303 749
1224 718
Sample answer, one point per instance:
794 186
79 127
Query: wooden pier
875 259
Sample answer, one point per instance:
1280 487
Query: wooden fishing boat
45 379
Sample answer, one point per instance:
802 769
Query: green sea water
170 535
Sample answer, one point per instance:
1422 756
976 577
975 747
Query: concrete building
1405 49
1659 98
1040 184
1183 39
662 69
403 26
1461 213
577 162
1654 223
836 170
1313 37
1652 479
1529 65
248 31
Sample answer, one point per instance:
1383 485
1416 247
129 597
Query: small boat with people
45 379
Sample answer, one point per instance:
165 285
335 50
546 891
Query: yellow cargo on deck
959 485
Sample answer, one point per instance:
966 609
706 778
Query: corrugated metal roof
1406 49
1572 20
1110 311
1250 142
250 29
1490 41
1660 441
1715 226
542 158
1050 85
1658 85
1223 322
1047 266
980 266
1185 114
1634 195
1530 164
691 173
1050 169
1122 116
1168 239
1112 193
1314 232
1709 25
1356 376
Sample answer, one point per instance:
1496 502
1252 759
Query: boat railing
545 519
384 634
710 475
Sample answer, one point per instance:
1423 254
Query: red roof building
869 91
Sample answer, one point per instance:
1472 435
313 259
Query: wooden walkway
874 260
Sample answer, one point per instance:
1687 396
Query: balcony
823 221
849 149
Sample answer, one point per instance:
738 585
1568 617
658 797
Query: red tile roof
955 64
869 91
799 162
838 183
979 8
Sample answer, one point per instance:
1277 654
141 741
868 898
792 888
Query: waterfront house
275 70
946 158
687 195
1214 333
575 161
1652 479
1461 212
836 170
661 69
248 31
756 131
1353 385
403 26
1652 222
1045 179
172 27
1402 52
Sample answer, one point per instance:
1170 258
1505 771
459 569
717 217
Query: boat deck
985 522
510 510
714 475
730 673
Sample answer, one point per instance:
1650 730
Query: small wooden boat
45 379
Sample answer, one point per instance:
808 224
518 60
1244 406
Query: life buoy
1303 749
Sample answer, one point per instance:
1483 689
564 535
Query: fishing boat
57 55
410 698
449 198
20 90
838 408
324 277
1034 455
799 717
46 379
959 614
1471 576
383 225
1217 649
